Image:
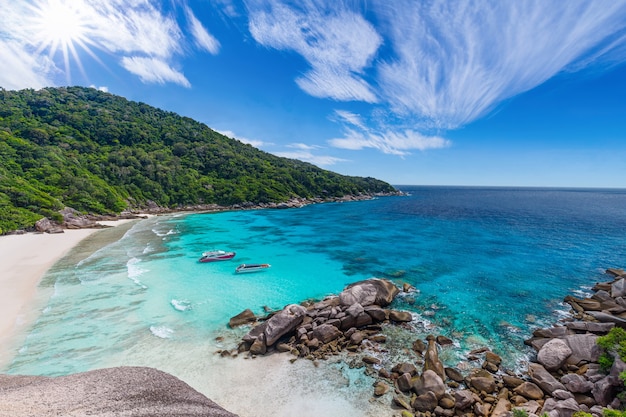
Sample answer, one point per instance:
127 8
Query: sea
487 266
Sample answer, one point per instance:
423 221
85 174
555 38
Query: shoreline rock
72 219
564 377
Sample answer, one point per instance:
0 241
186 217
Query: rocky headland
564 377
72 219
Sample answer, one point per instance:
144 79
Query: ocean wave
135 271
181 305
162 332
161 234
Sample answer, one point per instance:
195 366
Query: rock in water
371 291
283 322
135 391
431 358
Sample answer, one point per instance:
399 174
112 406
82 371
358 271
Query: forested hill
100 153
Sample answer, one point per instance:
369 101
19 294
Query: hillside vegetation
100 153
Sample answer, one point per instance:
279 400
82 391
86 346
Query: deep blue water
490 265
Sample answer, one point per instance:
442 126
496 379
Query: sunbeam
61 26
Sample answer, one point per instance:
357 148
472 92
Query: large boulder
584 347
553 354
431 358
425 402
577 384
429 381
371 291
618 288
540 376
283 322
123 391
325 333
245 317
529 390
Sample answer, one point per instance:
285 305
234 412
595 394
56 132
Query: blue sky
501 92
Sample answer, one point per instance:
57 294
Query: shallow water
489 264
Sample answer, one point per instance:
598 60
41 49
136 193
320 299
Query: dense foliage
100 153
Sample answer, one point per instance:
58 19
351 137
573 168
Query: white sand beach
24 260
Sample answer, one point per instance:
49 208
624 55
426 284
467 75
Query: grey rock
618 288
326 333
283 322
464 399
529 390
245 317
604 391
122 391
354 310
584 348
400 316
576 383
372 291
425 402
540 376
553 354
429 381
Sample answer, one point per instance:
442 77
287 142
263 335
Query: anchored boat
216 255
243 268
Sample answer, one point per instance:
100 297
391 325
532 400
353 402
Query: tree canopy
101 153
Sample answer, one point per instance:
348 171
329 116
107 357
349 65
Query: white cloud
103 88
204 40
455 61
137 32
153 70
21 69
349 117
338 44
307 156
303 146
253 142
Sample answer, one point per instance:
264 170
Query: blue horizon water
490 265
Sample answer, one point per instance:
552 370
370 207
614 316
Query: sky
432 92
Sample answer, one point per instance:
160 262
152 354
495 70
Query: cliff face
123 391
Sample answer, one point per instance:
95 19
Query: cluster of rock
315 330
296 202
73 219
564 378
122 391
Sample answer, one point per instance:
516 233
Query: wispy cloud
253 142
139 33
309 153
308 156
338 44
153 70
391 141
204 40
444 64
455 61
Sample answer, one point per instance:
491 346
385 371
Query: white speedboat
216 255
251 268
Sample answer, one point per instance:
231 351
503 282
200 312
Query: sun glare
61 26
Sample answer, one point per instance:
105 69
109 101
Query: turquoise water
489 264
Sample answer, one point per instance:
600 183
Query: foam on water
489 266
162 332
181 305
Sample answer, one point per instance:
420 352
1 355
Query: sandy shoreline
24 260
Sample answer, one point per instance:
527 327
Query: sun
62 26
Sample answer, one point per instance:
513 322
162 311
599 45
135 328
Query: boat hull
247 268
216 257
